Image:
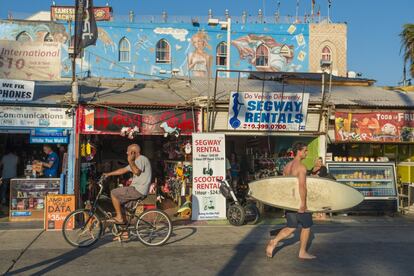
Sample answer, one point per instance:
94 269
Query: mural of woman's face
199 43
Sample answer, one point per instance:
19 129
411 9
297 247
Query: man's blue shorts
294 219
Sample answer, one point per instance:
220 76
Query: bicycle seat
132 205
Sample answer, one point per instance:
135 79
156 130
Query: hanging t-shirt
52 171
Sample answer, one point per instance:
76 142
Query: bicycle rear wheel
81 228
153 227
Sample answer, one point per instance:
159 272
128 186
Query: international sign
16 90
269 111
30 60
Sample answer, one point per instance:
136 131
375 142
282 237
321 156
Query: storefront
164 134
24 131
260 131
372 150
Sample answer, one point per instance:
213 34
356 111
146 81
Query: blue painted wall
102 59
288 47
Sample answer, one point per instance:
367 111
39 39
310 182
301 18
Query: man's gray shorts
126 194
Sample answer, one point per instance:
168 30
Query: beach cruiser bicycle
84 227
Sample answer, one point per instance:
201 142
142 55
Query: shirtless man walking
297 169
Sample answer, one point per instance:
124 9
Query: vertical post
228 46
323 100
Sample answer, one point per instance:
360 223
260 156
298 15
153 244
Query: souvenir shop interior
170 159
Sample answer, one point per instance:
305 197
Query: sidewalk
37 250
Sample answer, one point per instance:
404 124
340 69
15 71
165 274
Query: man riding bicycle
140 167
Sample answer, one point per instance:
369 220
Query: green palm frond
407 46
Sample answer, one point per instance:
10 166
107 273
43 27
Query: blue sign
49 140
49 132
268 111
21 214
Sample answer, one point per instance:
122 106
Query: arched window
162 51
23 37
221 54
124 50
48 38
326 54
262 55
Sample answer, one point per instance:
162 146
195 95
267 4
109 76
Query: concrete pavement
378 247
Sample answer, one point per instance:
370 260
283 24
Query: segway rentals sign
209 167
268 111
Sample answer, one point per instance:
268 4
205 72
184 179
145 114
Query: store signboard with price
209 167
56 210
268 111
30 60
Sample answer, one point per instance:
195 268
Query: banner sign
67 13
396 126
86 31
19 116
111 121
16 90
269 111
209 166
49 140
56 210
49 132
29 60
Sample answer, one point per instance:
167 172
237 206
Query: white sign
29 60
209 166
269 111
18 116
16 90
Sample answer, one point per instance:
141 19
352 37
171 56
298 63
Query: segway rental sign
209 167
268 111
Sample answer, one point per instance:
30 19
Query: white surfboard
323 195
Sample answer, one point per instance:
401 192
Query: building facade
162 50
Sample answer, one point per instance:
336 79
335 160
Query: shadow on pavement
243 251
58 261
191 231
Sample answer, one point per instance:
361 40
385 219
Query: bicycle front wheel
81 228
153 227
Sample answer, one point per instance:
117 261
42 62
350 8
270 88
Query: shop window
48 38
162 52
326 54
262 55
124 50
23 37
221 54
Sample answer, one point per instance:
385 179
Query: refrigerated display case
376 181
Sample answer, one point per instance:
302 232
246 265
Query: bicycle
84 227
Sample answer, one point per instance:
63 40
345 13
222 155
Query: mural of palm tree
407 46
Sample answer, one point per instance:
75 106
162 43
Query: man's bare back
294 168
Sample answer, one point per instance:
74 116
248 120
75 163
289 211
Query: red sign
111 121
375 126
67 13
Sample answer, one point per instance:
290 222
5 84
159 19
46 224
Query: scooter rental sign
209 167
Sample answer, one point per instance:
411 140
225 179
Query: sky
373 25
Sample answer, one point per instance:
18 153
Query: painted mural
37 31
191 49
